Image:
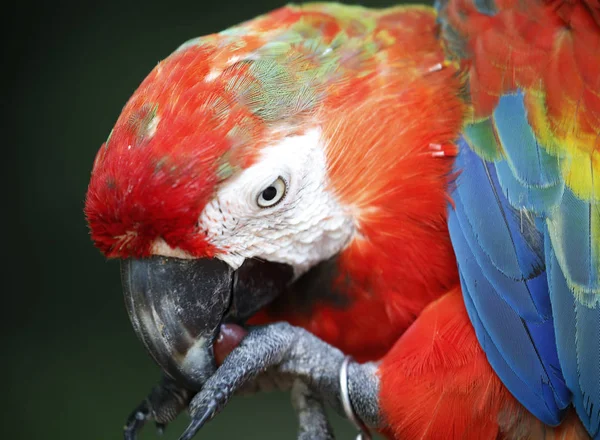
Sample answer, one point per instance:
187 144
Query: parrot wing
525 223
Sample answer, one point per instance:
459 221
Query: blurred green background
73 367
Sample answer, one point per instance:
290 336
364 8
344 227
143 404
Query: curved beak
177 306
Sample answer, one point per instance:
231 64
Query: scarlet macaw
418 188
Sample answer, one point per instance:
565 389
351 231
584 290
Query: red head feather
169 149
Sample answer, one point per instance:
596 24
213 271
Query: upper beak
177 306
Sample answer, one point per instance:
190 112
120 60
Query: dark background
72 366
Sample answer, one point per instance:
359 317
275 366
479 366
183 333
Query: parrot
394 212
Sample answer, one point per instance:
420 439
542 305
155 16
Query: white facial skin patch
306 226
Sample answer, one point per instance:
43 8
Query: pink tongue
229 337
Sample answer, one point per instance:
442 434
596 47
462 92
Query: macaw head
249 159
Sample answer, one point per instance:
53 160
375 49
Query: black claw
160 428
198 422
136 421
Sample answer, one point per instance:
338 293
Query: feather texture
527 198
503 303
436 382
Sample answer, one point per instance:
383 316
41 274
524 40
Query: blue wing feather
577 330
536 200
509 317
522 254
497 361
571 223
531 165
499 319
523 242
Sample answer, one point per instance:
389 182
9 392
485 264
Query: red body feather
436 383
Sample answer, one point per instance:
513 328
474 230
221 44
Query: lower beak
177 306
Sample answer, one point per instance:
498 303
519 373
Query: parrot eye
272 194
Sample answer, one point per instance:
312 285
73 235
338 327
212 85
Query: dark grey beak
177 306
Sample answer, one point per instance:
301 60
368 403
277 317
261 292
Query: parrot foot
163 404
289 352
312 420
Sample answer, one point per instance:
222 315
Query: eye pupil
272 194
269 193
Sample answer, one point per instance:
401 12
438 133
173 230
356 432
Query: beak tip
199 363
